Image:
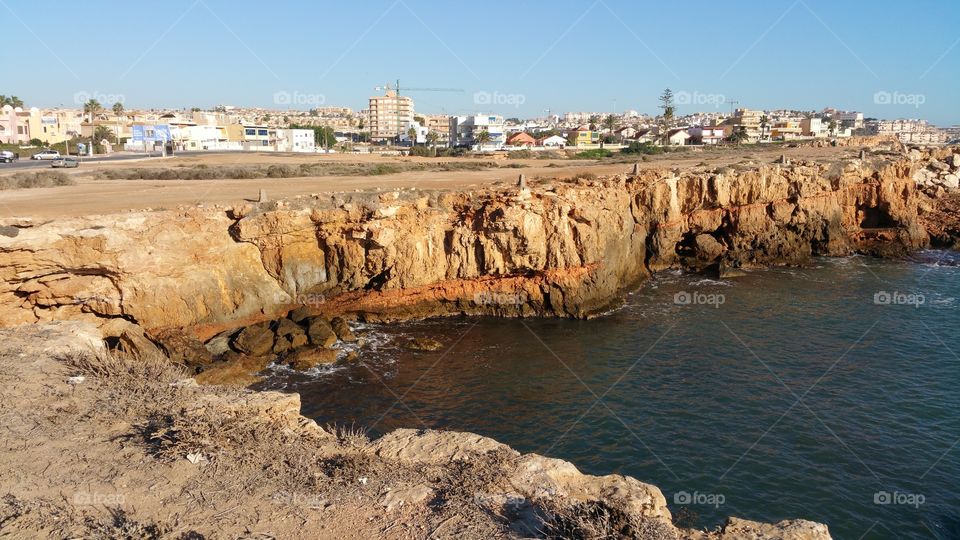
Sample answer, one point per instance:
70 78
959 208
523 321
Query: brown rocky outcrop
558 248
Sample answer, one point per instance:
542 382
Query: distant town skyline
884 59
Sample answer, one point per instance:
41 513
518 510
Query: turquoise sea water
830 393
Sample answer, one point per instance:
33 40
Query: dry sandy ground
92 196
110 458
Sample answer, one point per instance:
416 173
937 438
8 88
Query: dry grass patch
27 180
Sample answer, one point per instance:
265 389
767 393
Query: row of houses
198 130
182 134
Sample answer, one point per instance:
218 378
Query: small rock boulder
939 166
183 348
342 329
235 370
281 345
286 327
256 340
320 332
300 314
951 181
424 344
304 359
708 248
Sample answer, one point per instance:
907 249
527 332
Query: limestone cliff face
558 248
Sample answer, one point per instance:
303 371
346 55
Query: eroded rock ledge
565 248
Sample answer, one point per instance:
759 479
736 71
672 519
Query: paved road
26 163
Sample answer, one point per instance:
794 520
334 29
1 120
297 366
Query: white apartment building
296 140
852 120
464 130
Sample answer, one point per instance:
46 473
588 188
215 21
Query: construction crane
396 90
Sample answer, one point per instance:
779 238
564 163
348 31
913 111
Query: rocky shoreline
162 457
226 291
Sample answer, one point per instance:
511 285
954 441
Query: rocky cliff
556 247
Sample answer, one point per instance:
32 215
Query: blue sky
522 57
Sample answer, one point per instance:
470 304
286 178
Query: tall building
390 115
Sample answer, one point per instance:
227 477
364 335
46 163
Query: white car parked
46 154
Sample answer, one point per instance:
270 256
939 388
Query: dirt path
90 196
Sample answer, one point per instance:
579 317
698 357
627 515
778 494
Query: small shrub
383 169
520 154
423 151
595 153
646 148
27 180
280 171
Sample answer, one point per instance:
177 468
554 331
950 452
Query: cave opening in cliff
874 217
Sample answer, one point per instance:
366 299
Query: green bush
423 151
642 148
596 153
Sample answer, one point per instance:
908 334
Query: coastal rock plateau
567 248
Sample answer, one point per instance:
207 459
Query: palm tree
764 122
118 111
432 138
739 135
102 133
12 101
482 138
610 122
91 108
832 126
412 135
